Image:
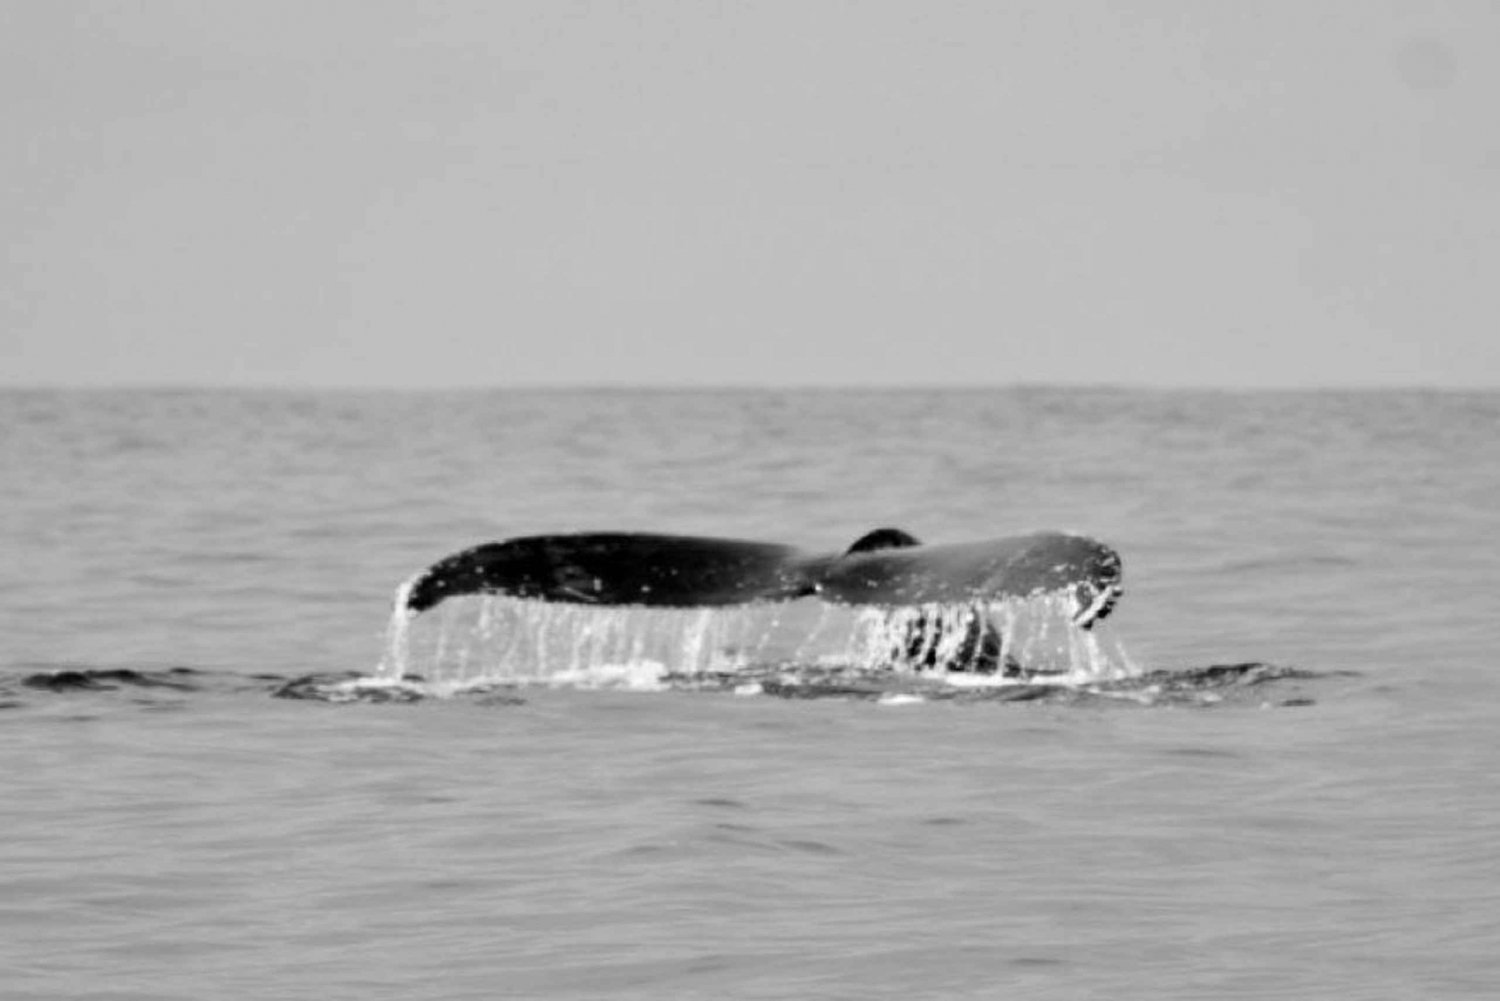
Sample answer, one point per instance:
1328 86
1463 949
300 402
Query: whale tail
937 598
886 567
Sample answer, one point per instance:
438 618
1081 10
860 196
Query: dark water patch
1253 683
1240 684
1303 561
823 688
1219 675
809 846
1026 693
714 963
160 706
233 557
110 679
742 838
646 849
724 825
1200 752
720 801
498 699
61 681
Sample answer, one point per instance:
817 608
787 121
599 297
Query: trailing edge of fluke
887 567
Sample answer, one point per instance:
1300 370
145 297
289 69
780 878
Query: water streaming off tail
475 640
1024 638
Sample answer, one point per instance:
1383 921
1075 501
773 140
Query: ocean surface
1295 793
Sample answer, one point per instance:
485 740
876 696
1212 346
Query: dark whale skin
886 568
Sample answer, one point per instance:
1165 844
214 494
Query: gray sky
1203 192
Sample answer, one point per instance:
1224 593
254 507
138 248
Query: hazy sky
1203 192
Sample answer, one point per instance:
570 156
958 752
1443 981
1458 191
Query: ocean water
1323 824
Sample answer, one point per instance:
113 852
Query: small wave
1295 560
1253 684
109 679
364 688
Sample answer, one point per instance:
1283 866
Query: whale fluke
886 567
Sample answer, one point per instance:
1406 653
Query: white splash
398 634
498 639
634 676
477 640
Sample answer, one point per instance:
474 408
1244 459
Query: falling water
393 665
482 640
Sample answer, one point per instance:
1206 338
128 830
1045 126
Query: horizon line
741 387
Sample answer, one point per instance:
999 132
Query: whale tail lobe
662 571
